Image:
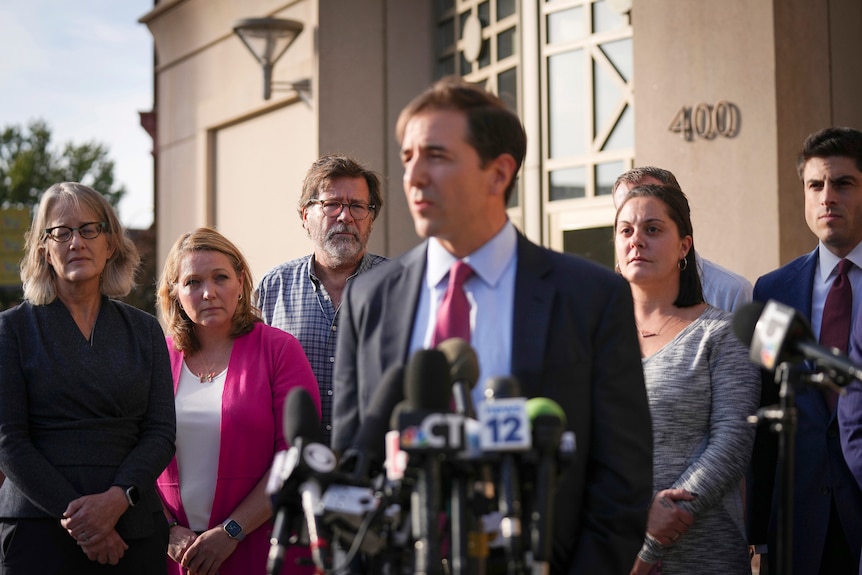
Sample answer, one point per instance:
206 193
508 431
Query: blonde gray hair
118 277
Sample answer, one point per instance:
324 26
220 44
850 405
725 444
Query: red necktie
837 311
453 320
453 315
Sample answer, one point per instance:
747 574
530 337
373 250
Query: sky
86 69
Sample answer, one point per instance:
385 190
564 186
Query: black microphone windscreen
427 384
300 417
502 387
369 441
463 362
745 320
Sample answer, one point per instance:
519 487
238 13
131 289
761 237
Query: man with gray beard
340 200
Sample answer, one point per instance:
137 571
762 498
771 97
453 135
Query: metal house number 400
706 121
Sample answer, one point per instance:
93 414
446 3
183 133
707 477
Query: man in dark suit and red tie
564 327
824 285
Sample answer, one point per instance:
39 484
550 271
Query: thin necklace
645 333
208 375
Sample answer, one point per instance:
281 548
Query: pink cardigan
265 365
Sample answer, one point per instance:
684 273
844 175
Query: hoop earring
240 297
682 264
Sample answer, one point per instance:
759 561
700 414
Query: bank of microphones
432 483
776 333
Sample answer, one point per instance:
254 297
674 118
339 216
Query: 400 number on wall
706 121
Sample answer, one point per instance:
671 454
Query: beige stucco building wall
789 68
228 158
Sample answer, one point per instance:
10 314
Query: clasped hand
200 554
668 521
90 520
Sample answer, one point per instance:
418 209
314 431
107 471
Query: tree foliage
29 164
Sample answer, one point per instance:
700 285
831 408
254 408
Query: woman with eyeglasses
231 376
86 403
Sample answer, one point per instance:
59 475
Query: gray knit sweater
701 387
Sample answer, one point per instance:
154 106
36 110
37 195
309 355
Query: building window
587 71
591 243
587 75
478 39
584 122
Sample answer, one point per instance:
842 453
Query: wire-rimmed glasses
333 208
88 231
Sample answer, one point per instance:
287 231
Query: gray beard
341 252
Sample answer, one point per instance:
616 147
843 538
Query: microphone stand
782 420
459 526
426 503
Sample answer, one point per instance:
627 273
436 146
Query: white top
722 288
491 293
198 442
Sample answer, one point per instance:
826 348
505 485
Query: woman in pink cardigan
231 376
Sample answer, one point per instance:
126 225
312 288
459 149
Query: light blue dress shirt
491 293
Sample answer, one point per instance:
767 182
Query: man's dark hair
637 175
493 129
844 142
331 167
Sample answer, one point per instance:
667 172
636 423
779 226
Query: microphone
427 430
777 333
297 422
299 417
463 371
366 454
293 485
347 505
504 428
548 421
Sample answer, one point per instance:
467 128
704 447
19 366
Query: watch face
233 529
133 496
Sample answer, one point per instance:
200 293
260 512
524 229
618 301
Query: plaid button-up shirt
292 299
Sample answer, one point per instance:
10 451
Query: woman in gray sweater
701 387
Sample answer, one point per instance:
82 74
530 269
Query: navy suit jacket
850 410
850 413
820 473
575 342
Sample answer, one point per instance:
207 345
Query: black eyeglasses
333 208
88 231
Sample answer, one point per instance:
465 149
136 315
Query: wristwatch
132 496
233 530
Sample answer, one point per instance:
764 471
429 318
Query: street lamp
268 39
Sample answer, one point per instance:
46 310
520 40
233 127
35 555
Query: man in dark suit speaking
564 327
